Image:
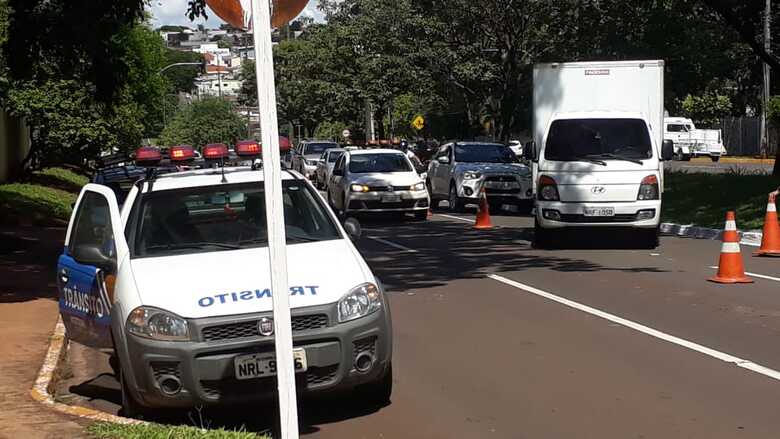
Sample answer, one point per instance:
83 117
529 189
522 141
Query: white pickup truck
690 141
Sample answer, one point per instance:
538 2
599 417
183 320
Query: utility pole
219 77
767 91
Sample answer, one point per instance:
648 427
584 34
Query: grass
108 430
45 198
703 199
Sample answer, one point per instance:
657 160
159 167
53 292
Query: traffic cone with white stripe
731 269
483 214
770 242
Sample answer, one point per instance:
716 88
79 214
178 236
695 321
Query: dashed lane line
728 358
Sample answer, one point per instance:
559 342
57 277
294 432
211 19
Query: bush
30 203
59 178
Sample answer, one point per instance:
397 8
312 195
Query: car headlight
157 324
359 302
358 188
419 187
471 175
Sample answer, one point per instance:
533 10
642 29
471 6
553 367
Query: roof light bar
148 156
247 148
215 151
182 153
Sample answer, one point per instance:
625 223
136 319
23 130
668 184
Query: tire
379 392
434 201
542 237
648 239
715 159
456 203
678 155
130 407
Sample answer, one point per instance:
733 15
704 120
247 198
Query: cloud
173 12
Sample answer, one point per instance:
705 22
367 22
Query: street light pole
160 72
767 84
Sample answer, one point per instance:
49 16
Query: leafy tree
707 109
209 120
182 78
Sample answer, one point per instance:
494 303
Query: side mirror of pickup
444 160
87 254
529 151
667 150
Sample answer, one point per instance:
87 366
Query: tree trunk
776 170
379 118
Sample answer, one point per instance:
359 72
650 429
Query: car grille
367 344
492 191
579 218
386 188
249 328
501 178
216 389
376 204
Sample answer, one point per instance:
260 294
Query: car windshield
598 139
214 218
332 157
318 148
676 128
363 163
484 153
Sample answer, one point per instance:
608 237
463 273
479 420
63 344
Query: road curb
751 238
42 390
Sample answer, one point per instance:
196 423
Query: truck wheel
525 207
130 407
456 204
379 392
715 158
649 238
542 237
678 155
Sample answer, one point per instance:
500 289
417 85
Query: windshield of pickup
484 153
224 217
599 139
381 162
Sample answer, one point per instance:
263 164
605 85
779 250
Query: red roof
216 69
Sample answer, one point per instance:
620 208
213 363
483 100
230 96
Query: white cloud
173 12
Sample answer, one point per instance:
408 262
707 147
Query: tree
707 109
209 120
182 78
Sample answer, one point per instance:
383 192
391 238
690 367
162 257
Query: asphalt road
709 167
495 339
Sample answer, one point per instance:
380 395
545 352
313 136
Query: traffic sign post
418 122
288 406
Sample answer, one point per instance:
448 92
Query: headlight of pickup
471 175
359 302
419 187
157 324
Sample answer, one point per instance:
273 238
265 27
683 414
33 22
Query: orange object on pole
286 10
483 214
770 242
234 13
229 10
731 269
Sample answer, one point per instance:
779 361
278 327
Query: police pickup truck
176 287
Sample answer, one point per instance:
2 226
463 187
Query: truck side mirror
667 150
87 254
529 151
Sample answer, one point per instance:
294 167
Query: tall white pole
288 407
766 87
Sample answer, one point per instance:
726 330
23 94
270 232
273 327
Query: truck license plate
391 198
599 211
264 365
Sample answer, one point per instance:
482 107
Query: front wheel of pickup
378 393
715 158
648 239
543 238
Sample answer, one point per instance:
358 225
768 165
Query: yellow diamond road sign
418 123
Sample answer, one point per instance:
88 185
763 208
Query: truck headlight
359 302
358 188
471 175
419 187
157 324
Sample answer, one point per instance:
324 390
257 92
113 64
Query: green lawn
45 198
704 199
107 430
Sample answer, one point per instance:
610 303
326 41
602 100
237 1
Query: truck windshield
601 139
228 217
484 153
385 162
319 148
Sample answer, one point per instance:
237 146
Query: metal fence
742 136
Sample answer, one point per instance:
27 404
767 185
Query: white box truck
598 147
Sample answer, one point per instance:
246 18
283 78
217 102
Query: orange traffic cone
770 242
483 213
731 270
430 213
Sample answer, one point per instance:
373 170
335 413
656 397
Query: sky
173 12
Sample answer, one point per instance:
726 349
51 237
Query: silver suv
459 171
306 156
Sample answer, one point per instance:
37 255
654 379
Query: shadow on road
448 250
28 262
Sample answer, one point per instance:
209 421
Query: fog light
645 214
551 214
468 191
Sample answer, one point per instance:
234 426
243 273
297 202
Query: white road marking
466 220
728 358
760 276
392 244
